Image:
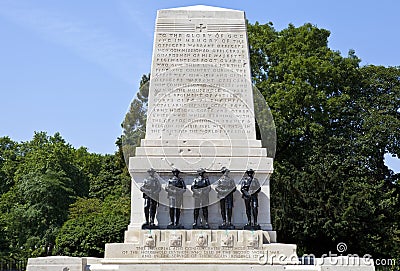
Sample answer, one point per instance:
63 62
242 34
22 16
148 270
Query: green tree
41 178
91 225
45 153
330 182
34 210
134 123
45 178
9 154
378 106
112 179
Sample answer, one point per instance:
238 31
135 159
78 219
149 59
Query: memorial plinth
200 246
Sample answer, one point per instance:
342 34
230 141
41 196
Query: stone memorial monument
201 113
200 119
201 126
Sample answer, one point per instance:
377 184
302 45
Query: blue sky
74 66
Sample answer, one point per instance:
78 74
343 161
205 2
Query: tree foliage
40 179
91 225
134 124
335 122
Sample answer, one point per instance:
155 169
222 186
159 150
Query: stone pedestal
200 246
59 263
96 264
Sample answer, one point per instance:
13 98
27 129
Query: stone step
200 246
196 151
241 143
261 164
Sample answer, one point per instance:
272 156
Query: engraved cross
200 27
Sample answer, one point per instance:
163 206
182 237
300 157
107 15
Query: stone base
150 227
163 238
227 267
175 227
201 227
226 227
97 264
252 227
267 254
57 263
200 246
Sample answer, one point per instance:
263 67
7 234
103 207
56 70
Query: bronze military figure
250 187
175 189
225 188
201 188
151 188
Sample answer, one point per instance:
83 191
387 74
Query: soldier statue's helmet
225 170
176 170
151 170
201 170
250 170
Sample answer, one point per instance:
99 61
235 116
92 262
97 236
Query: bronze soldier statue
250 187
175 189
201 188
225 188
151 188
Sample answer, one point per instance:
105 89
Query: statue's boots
178 215
248 214
153 211
146 214
230 216
171 216
223 213
196 213
255 215
205 216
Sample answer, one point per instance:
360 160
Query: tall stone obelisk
201 110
